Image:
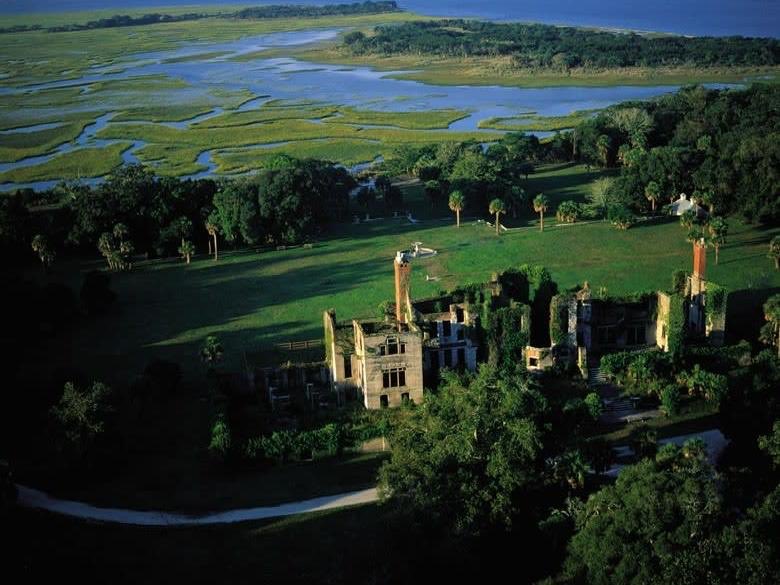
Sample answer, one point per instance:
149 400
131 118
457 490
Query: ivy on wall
559 319
716 297
675 325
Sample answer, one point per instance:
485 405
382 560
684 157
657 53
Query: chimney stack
699 259
403 271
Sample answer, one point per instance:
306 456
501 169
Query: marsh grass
78 163
18 145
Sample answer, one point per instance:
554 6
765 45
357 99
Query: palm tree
718 229
212 351
457 202
705 198
213 231
187 249
602 144
541 202
652 193
688 219
774 251
40 246
497 207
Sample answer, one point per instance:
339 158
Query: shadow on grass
745 313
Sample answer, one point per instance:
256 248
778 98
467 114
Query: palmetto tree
187 249
718 230
497 207
688 219
213 231
652 193
116 247
40 246
457 202
212 351
541 203
774 251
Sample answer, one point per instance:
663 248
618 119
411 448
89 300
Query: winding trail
32 498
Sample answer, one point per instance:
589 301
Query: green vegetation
531 122
19 145
275 131
178 113
347 152
38 56
78 163
170 160
429 120
560 49
500 70
350 271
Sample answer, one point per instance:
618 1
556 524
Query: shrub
593 404
568 212
621 217
700 382
670 400
614 365
220 437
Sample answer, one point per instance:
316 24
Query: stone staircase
618 409
596 377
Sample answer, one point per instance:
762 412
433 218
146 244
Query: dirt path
32 498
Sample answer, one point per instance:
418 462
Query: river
291 79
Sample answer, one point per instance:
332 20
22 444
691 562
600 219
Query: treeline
259 12
134 212
721 147
293 11
561 48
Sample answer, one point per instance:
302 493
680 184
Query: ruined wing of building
386 362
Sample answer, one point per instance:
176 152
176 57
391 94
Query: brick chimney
403 272
699 260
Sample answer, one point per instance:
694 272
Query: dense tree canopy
467 454
562 48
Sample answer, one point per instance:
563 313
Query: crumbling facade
387 362
593 327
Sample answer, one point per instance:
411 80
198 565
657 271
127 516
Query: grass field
252 299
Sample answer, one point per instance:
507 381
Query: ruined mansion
386 362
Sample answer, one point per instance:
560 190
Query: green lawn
252 300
